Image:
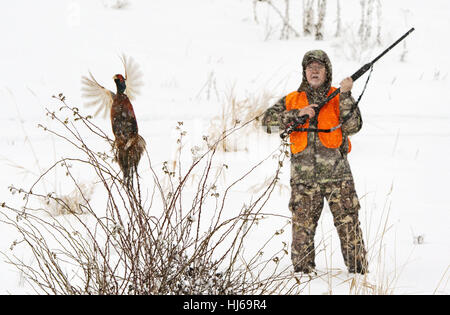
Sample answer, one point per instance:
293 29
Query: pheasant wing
133 77
96 95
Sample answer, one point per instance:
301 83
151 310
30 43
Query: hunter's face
315 74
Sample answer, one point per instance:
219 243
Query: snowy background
193 53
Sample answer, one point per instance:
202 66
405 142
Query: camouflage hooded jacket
317 163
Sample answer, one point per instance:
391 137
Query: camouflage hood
320 93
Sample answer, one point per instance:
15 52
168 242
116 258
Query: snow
399 159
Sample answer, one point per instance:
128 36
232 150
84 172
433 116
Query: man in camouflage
319 172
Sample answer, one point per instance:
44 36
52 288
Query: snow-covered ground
194 52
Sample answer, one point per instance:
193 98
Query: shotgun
355 76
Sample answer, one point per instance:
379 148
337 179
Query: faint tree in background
308 13
338 18
365 26
379 12
312 25
287 30
405 12
314 13
309 26
321 12
358 43
368 7
363 18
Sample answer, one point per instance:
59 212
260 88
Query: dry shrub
72 203
236 110
171 240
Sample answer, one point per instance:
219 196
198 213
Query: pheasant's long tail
128 154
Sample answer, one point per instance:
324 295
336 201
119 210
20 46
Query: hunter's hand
308 110
346 85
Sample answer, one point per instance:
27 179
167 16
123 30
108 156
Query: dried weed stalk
236 110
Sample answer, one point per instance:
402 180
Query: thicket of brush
163 241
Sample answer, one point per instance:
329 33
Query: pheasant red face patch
119 77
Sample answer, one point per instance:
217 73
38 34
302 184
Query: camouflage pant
306 205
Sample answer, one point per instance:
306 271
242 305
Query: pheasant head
120 83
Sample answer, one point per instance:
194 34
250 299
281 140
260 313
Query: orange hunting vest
328 118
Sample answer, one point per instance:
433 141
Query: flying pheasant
128 145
